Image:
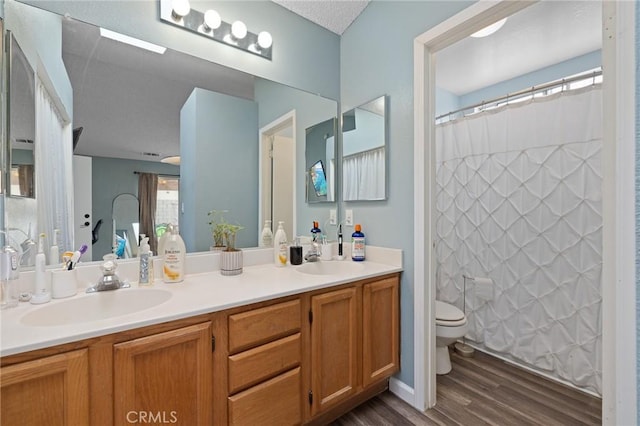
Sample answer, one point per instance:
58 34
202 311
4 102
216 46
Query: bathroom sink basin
96 306
330 268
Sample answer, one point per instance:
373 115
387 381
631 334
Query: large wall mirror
22 122
132 105
364 146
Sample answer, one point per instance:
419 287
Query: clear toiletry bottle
266 239
146 263
357 244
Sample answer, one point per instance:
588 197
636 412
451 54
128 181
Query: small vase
231 262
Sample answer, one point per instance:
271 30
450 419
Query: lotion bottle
146 263
163 239
357 244
280 246
173 258
266 239
54 251
40 292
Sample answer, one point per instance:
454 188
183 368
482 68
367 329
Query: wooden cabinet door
334 348
380 329
165 378
48 391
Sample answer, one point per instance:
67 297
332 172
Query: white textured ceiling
334 15
539 36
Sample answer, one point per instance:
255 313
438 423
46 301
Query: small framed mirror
364 145
320 162
22 123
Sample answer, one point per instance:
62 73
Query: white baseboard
402 391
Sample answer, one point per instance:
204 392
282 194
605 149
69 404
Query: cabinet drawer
252 328
275 402
258 364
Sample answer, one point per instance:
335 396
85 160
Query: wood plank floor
484 390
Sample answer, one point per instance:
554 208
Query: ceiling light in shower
488 30
174 159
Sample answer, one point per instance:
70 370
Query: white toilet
451 325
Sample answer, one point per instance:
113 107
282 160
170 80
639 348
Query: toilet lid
447 312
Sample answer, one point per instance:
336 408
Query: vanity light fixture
209 24
212 21
132 41
490 29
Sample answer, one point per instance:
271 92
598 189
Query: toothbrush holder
64 283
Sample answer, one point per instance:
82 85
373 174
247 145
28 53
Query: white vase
231 262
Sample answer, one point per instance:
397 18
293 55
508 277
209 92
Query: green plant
223 232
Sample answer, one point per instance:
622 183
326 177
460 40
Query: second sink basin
330 268
96 306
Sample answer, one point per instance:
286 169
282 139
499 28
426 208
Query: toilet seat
448 315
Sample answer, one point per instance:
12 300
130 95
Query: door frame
618 298
265 133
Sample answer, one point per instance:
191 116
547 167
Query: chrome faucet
109 279
314 253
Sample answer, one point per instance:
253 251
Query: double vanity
292 345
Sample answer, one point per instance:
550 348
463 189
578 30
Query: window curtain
25 179
363 175
519 201
54 171
148 197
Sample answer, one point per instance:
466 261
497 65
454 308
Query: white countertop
199 293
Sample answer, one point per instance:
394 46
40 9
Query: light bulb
212 20
180 8
264 39
239 30
490 29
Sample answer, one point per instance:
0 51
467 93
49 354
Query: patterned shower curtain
519 201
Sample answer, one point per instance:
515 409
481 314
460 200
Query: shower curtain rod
531 90
159 174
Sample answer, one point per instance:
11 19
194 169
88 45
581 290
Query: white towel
484 288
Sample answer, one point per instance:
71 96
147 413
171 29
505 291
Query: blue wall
218 139
377 59
558 71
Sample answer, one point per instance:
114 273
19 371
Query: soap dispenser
146 263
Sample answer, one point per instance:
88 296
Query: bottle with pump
173 258
280 246
357 244
54 251
266 239
40 292
163 239
146 263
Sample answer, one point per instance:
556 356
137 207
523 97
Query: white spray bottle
41 293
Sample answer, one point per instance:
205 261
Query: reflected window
167 203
